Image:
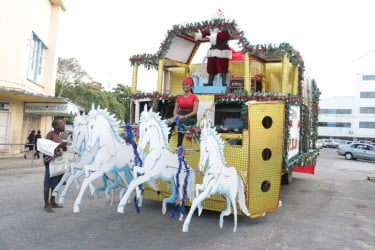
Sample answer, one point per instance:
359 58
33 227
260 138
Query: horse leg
89 168
199 188
170 199
233 200
241 198
128 178
56 190
85 183
132 185
138 190
226 212
68 184
115 184
197 200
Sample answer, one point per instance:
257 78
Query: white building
28 67
350 117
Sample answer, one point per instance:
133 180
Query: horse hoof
164 209
76 209
108 196
200 209
120 209
185 228
61 200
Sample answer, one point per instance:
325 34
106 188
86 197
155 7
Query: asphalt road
333 209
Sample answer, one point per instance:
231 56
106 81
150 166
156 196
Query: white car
319 143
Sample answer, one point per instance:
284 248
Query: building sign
51 108
4 106
294 131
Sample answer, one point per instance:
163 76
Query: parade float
264 109
257 124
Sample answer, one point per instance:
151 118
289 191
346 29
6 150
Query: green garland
150 61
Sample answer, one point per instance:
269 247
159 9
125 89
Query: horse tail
241 197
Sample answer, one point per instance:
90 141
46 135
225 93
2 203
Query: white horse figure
111 157
159 162
82 157
77 147
218 178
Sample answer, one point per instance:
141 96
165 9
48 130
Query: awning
26 96
39 104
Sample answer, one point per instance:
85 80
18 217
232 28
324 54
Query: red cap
188 80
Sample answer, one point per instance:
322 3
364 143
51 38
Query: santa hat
188 80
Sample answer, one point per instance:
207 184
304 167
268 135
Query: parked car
329 143
338 142
365 141
356 150
319 143
333 143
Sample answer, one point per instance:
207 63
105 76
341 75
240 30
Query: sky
335 38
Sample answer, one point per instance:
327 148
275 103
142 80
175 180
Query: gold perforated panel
266 126
249 158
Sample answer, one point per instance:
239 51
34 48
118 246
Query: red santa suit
219 54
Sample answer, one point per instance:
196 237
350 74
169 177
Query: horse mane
78 119
114 124
146 116
212 132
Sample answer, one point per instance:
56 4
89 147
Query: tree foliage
69 70
75 84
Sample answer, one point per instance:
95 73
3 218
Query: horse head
102 128
211 146
79 133
92 132
152 129
204 153
144 126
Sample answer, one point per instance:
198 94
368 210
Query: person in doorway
38 136
185 108
31 140
51 182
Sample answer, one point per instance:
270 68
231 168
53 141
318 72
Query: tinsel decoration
137 159
181 162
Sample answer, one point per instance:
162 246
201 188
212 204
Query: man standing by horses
51 182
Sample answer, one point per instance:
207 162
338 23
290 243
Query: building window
335 111
367 125
335 124
36 56
368 77
367 110
367 95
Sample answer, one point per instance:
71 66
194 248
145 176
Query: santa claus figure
218 55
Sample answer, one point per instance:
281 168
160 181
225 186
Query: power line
360 57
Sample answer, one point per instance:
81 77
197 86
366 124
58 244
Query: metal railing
25 152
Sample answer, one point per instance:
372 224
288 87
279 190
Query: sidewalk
14 162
